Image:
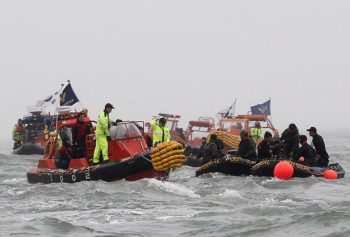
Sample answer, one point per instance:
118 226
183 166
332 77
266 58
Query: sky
192 58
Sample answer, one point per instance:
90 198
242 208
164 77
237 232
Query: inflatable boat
129 157
29 149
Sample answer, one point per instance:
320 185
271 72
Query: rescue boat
266 168
129 157
34 138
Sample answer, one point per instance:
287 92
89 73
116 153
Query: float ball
283 170
330 174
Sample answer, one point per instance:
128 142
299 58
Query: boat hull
230 165
131 169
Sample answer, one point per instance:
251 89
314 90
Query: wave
173 188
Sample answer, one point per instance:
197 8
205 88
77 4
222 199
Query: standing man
318 143
80 131
256 132
160 132
102 134
290 140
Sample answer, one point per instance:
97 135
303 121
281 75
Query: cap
108 105
312 129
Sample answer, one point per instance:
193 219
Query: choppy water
211 205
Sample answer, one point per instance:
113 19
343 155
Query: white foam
173 188
230 194
13 181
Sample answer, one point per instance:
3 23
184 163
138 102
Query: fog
192 58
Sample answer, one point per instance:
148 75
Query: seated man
210 150
264 148
201 149
65 154
305 154
246 148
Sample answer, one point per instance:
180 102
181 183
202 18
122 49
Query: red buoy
330 174
283 170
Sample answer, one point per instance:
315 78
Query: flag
49 101
263 108
229 112
68 97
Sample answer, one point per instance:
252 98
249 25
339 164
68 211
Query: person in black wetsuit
318 143
264 148
201 149
210 150
246 148
290 140
305 154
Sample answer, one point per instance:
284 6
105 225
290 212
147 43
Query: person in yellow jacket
160 132
18 134
256 132
102 134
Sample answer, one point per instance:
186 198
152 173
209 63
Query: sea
210 205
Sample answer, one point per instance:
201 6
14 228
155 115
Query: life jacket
82 130
159 134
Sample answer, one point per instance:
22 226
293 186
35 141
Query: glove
109 138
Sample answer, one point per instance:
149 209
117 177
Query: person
239 127
256 132
318 143
246 148
290 140
18 134
160 132
65 154
102 134
305 154
264 148
80 131
210 150
201 149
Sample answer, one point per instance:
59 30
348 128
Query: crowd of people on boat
290 145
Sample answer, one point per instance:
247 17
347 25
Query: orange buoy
283 170
301 159
330 174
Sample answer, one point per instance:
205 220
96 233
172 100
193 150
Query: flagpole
234 108
62 85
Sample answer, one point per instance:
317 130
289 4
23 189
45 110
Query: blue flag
68 97
263 109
